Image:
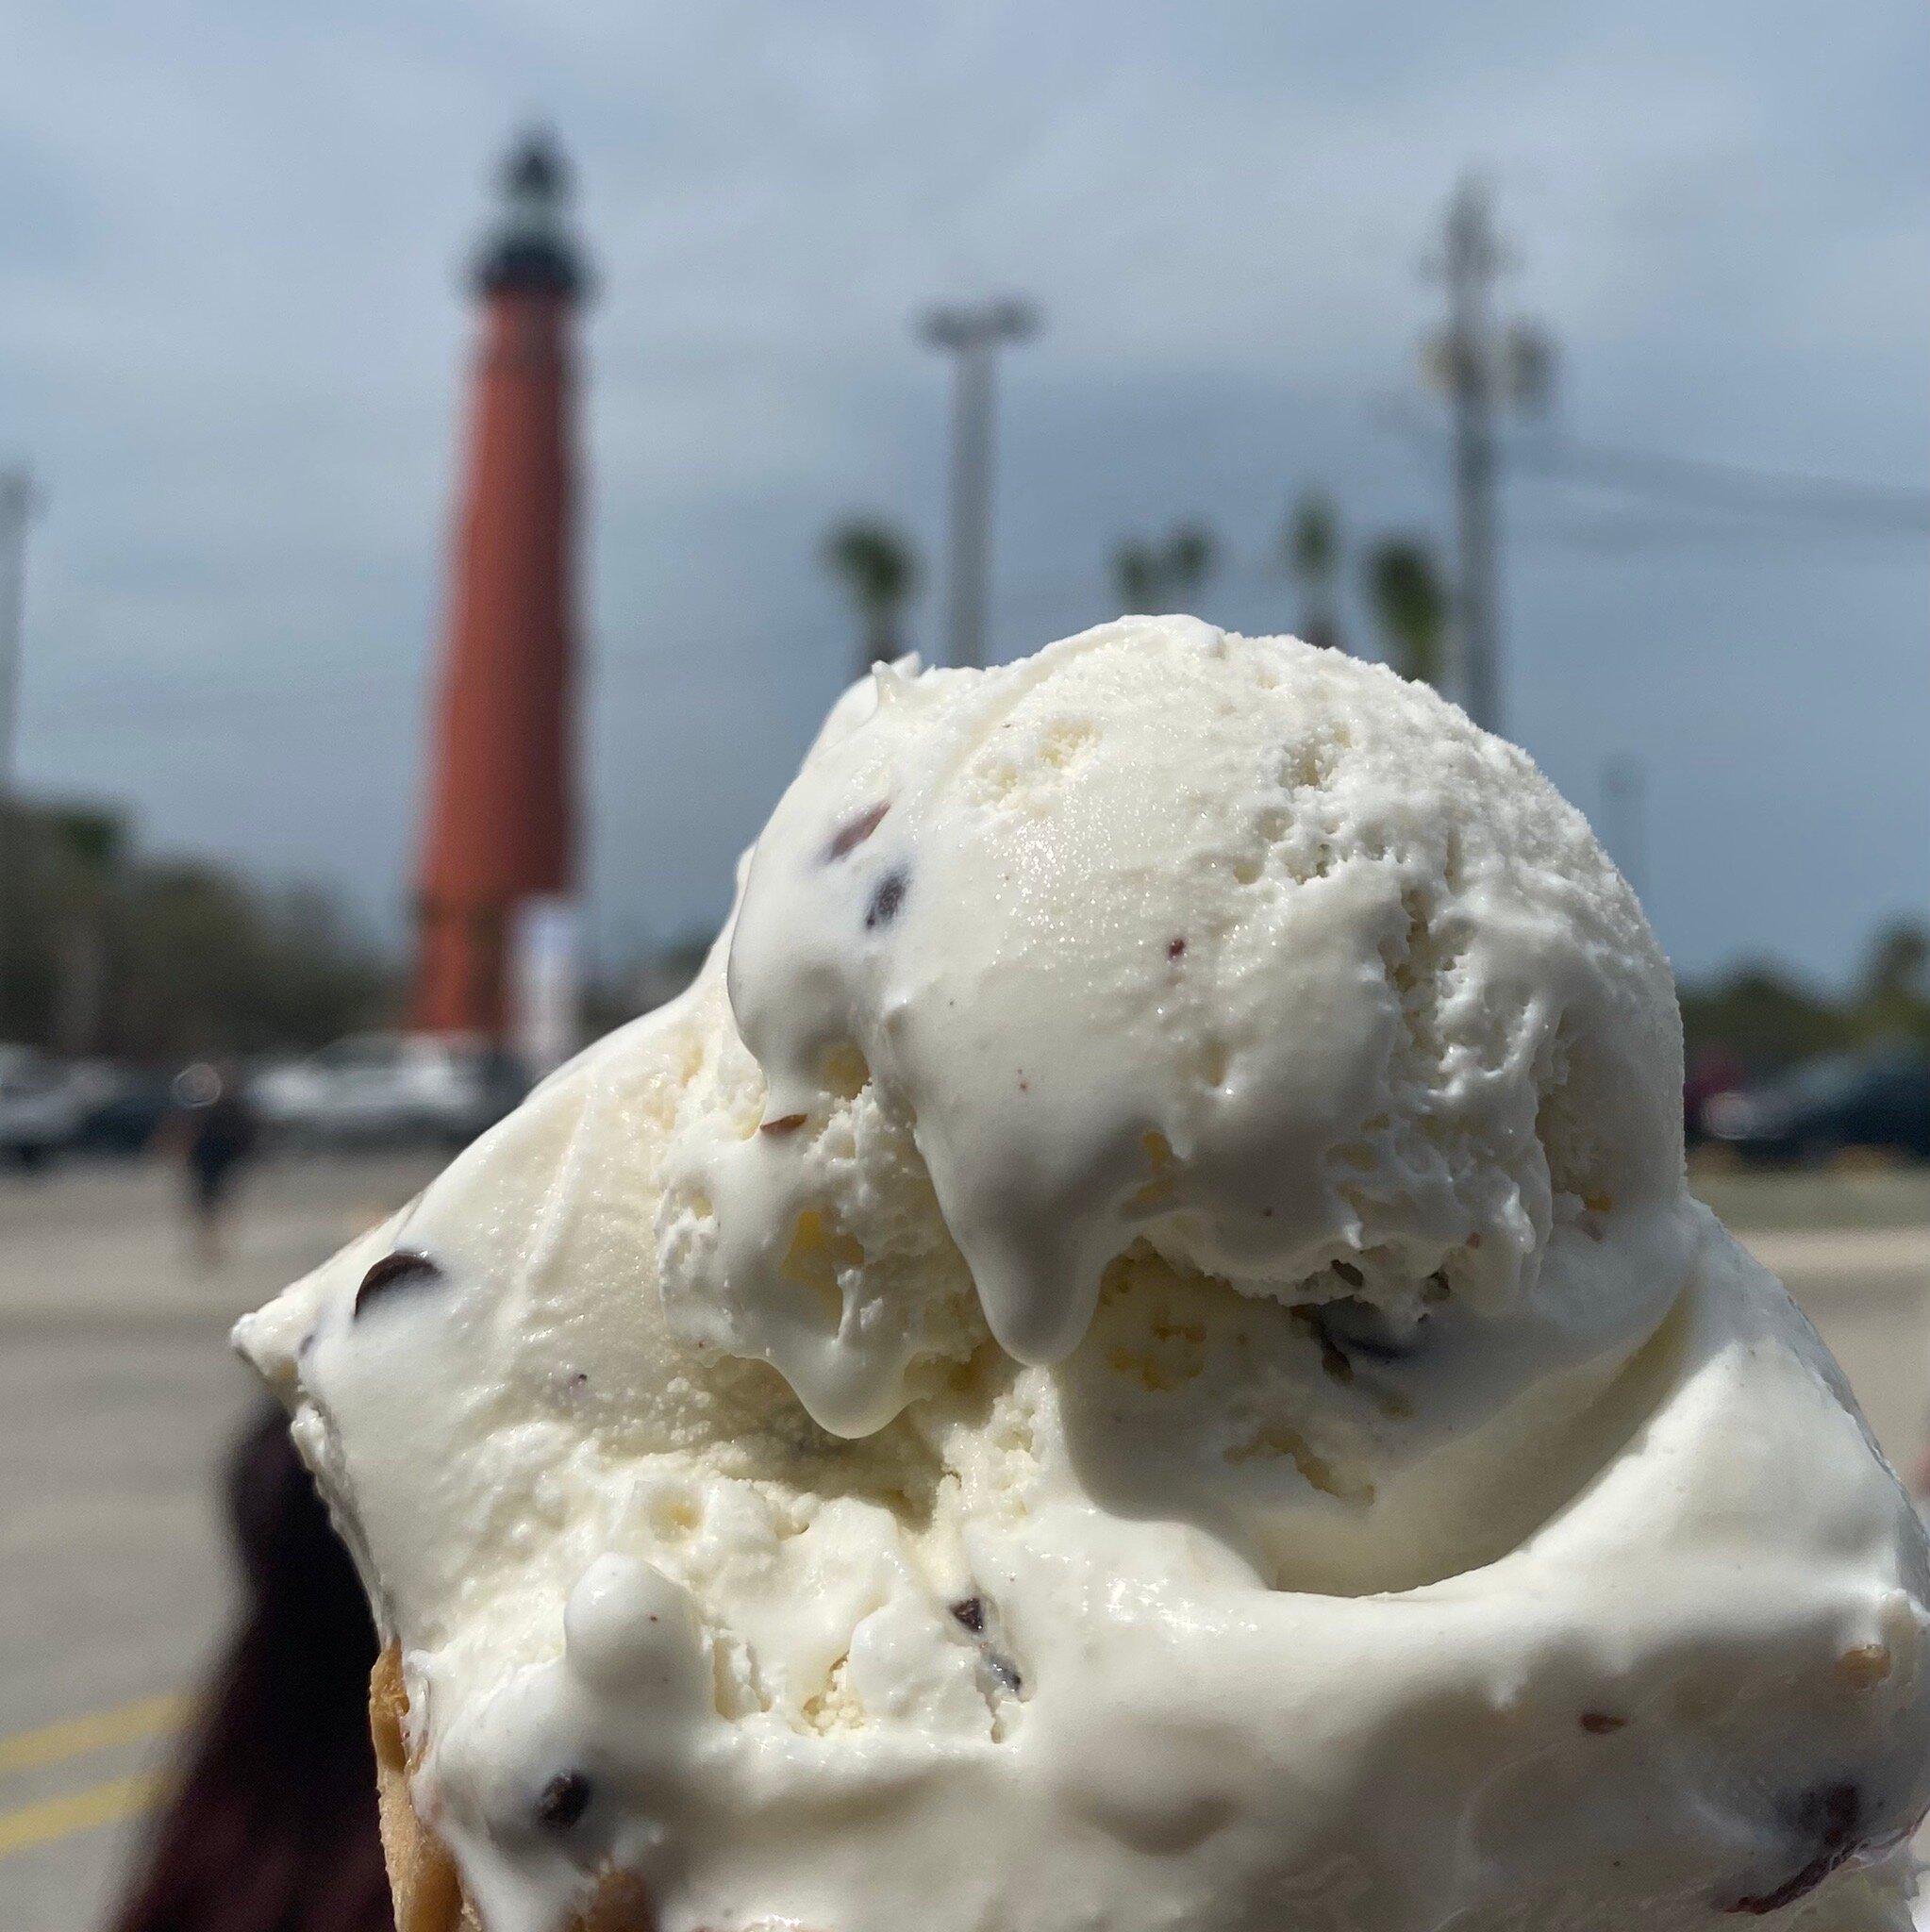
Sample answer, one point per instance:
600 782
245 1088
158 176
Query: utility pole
16 505
973 333
1481 367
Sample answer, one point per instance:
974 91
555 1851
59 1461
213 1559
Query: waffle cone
422 1878
422 1875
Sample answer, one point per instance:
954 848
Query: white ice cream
1133 1356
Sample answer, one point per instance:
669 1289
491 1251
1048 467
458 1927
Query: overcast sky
233 329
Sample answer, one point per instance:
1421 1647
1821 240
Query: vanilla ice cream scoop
1132 1354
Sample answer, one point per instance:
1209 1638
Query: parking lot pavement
117 1397
117 1393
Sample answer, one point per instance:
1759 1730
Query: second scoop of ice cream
1245 952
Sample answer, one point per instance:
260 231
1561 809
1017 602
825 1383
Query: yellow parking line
38 1824
127 1724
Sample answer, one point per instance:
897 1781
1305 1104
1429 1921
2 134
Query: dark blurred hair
271 1822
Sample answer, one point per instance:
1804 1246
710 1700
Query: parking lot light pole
971 333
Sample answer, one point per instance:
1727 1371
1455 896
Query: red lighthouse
498 856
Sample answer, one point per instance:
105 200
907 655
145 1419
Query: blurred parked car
1874 1101
123 1109
374 1089
40 1105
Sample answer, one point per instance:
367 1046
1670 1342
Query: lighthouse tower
494 945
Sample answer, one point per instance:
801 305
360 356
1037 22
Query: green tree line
106 951
1767 1019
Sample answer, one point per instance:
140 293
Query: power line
1706 484
1638 529
1712 483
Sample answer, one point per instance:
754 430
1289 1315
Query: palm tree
1189 558
879 568
1138 574
1159 577
1409 602
1892 1000
1312 545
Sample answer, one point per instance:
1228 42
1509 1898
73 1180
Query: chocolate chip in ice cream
405 1268
562 1801
1334 1360
971 1612
1360 1330
1823 1821
854 831
886 896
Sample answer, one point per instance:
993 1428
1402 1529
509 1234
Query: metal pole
16 500
1473 365
972 335
971 538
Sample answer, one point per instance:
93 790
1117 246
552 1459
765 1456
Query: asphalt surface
117 1396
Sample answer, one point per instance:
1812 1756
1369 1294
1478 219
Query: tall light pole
1481 366
972 332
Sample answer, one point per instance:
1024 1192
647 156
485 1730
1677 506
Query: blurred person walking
214 1131
271 1825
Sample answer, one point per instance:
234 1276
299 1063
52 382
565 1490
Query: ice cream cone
422 1875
